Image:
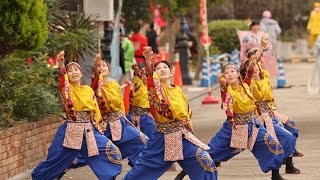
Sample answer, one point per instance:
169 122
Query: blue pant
131 144
267 151
106 165
286 138
132 141
147 124
291 126
151 165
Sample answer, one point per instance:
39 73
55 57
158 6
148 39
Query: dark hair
250 52
253 23
135 27
240 78
165 62
108 64
243 69
151 25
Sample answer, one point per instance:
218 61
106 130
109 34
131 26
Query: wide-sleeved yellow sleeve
113 97
98 117
139 93
262 89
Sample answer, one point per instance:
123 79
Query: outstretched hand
265 40
97 67
60 58
98 60
147 53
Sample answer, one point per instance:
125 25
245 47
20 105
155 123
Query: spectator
314 24
270 26
152 38
139 41
128 49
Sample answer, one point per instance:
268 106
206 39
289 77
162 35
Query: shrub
224 33
28 92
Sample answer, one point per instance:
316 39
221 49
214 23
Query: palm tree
72 31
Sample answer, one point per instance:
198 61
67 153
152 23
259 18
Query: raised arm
97 68
61 66
147 53
264 44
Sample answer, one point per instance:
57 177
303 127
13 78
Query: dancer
172 140
81 133
123 134
265 86
139 111
259 81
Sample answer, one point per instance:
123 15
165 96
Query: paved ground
207 119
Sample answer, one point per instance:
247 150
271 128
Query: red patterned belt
241 119
264 107
112 116
169 127
138 111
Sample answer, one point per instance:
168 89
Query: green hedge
28 92
224 33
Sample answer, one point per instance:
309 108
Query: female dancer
171 141
262 93
285 122
80 133
139 111
127 138
241 130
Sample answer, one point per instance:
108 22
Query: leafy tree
23 25
133 10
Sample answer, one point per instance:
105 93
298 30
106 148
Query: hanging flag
205 38
116 70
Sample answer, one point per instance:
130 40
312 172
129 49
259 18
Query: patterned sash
136 112
75 131
113 120
173 134
266 116
239 134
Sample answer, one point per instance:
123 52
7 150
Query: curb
300 60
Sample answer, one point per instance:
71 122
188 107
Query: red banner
205 39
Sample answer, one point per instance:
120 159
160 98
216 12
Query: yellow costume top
239 102
113 97
167 103
139 93
262 89
84 99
